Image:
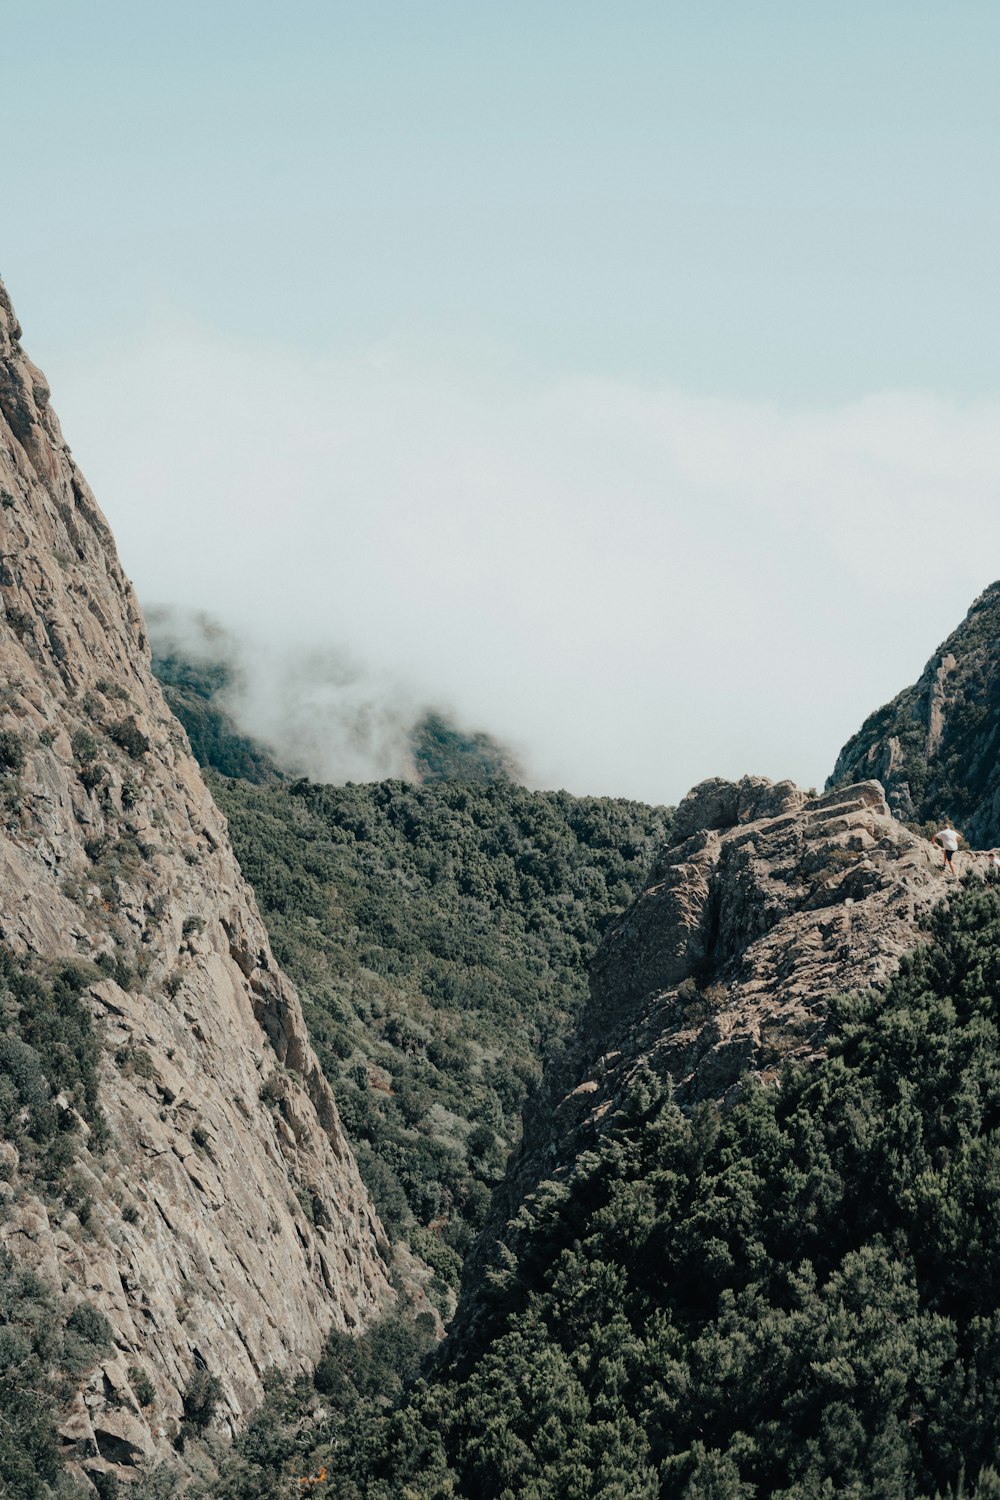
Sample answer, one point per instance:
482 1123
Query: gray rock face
726 961
229 1229
936 746
717 804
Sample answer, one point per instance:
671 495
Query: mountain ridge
675 1287
936 746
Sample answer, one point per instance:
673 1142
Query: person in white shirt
948 839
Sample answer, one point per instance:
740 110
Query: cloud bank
636 588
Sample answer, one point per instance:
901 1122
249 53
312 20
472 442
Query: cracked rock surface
229 1228
726 961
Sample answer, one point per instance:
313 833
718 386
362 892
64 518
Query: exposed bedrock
228 1228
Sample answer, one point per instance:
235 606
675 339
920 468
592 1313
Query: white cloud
635 587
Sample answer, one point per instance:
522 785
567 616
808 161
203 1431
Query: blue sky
790 200
622 376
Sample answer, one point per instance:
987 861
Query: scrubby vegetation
798 1299
48 1050
48 1099
43 1354
440 938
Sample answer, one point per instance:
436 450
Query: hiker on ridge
948 839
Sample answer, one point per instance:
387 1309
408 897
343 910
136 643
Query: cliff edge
226 1229
936 746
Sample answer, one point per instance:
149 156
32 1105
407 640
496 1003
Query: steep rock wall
229 1230
936 745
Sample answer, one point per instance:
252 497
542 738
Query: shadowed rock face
767 903
250 1234
936 746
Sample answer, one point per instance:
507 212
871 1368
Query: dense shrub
85 747
48 1046
11 751
129 737
199 1400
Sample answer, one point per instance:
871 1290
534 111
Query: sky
621 379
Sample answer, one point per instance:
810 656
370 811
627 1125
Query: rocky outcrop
725 963
228 1229
765 904
936 746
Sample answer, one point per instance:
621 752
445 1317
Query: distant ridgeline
196 692
936 746
192 690
443 753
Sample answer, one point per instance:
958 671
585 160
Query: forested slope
194 691
799 1298
202 695
440 937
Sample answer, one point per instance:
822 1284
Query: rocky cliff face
229 1230
935 747
766 903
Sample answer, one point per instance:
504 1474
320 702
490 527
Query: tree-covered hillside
440 938
442 752
799 1299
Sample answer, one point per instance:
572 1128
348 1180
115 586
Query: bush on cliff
42 1354
48 1047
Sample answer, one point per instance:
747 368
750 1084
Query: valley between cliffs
179 1194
